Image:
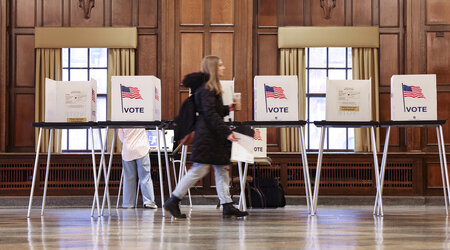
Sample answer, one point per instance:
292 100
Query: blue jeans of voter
198 171
133 170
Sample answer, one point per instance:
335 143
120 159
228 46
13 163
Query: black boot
173 206
229 210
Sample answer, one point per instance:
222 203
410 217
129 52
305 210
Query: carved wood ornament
327 6
87 6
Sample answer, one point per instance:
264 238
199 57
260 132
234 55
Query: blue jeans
198 171
131 170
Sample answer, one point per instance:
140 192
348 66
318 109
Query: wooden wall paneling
25 13
389 58
148 13
273 140
191 52
267 13
293 13
23 117
147 55
96 18
121 12
222 45
389 13
268 54
52 13
437 12
168 61
443 113
434 178
337 14
222 12
243 57
385 115
438 55
362 12
415 50
191 12
24 61
3 72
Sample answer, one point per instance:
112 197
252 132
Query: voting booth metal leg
444 171
33 183
47 168
94 169
102 166
376 167
137 192
102 162
166 156
109 169
161 183
242 178
377 209
305 169
120 189
318 168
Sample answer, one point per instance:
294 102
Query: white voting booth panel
260 147
413 97
70 101
276 98
242 149
227 96
348 100
135 98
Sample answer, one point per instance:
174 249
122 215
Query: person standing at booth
212 139
136 164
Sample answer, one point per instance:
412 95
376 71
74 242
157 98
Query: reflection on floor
343 227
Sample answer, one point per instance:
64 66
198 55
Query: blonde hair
210 65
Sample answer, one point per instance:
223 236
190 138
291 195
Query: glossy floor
342 227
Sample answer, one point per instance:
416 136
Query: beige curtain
48 65
292 62
365 66
121 62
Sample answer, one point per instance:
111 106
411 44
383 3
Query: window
82 64
336 64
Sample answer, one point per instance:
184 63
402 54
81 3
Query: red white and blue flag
156 94
274 92
257 136
412 91
130 92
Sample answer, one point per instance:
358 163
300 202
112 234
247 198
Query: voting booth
227 97
413 97
135 98
348 100
70 101
260 147
276 98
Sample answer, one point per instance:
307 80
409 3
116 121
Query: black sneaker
173 206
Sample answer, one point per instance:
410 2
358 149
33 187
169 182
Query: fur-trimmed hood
195 80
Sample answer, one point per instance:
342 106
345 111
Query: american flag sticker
412 91
156 94
274 92
130 92
257 136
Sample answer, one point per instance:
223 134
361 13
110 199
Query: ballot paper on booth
348 100
135 98
276 98
70 101
227 97
242 149
413 97
260 147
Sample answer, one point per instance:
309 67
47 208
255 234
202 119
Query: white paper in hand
242 150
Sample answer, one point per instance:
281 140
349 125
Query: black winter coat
210 142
